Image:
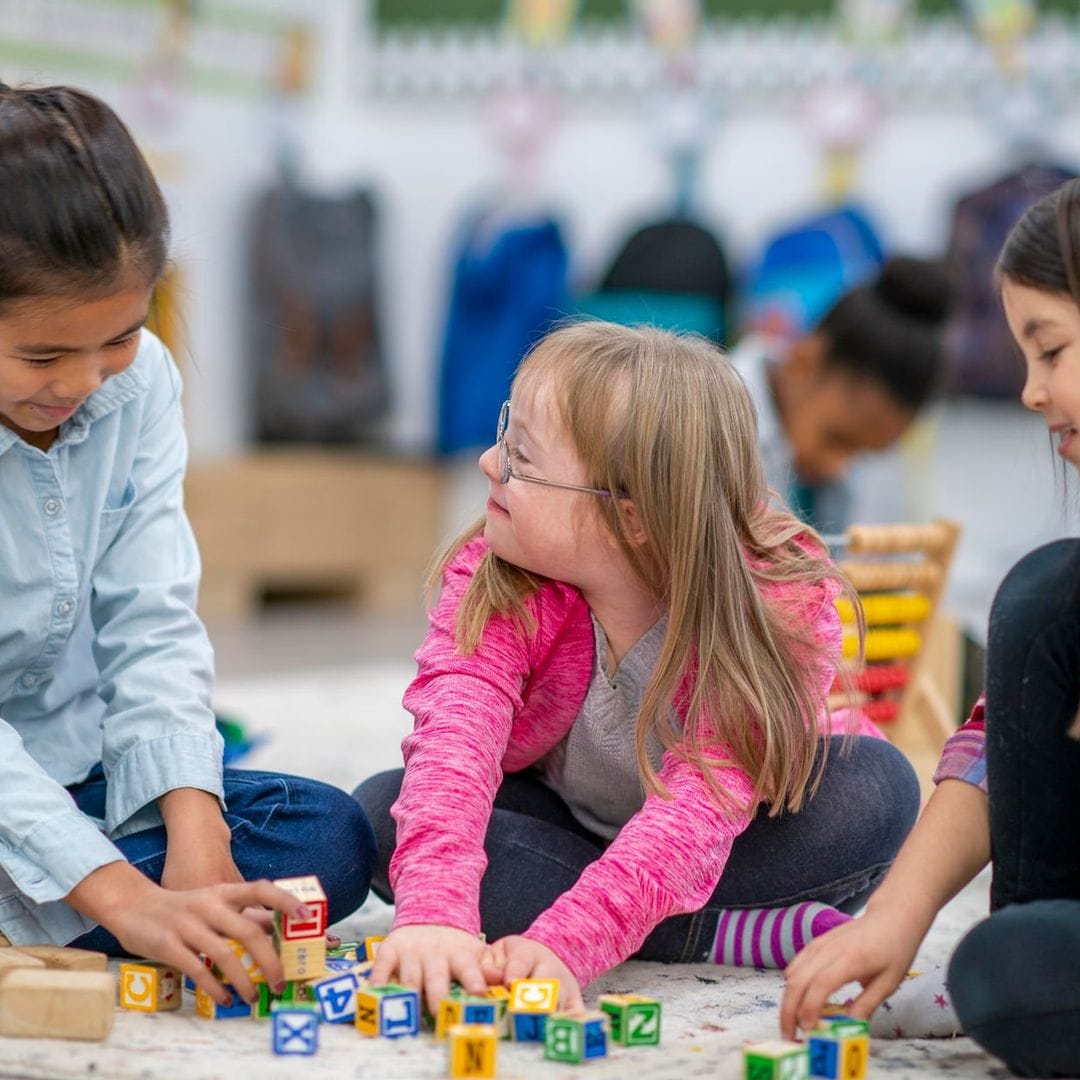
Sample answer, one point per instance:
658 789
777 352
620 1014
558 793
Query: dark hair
890 329
79 206
1043 248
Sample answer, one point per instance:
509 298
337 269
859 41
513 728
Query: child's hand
175 927
517 957
427 956
875 950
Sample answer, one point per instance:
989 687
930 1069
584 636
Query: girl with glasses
1007 779
621 745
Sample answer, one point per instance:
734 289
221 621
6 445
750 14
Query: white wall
427 157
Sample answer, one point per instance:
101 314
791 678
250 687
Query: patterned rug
708 1012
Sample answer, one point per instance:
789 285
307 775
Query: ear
635 530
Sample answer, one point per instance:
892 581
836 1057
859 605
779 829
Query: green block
776 1061
261 1008
563 1040
635 1020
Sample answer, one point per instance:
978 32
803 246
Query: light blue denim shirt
102 657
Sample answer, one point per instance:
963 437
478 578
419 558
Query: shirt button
65 608
52 506
29 680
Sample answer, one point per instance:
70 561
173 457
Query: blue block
476 1012
595 1039
824 1057
295 1031
399 1014
337 998
527 1027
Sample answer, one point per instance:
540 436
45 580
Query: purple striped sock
770 937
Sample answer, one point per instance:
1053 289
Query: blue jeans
282 826
835 850
1014 979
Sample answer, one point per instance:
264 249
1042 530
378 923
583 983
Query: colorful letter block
346 950
635 1020
267 999
302 959
150 987
311 893
576 1036
534 995
253 970
472 1051
208 1008
390 1011
336 997
371 947
776 1060
464 1009
501 997
839 1048
294 1030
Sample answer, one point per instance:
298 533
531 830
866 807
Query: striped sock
770 937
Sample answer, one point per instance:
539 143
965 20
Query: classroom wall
427 157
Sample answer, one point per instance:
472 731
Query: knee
1041 587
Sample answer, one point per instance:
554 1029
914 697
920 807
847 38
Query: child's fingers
874 993
492 965
571 999
410 970
255 940
386 961
466 970
191 964
436 982
264 919
519 965
255 893
816 993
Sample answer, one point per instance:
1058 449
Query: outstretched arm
949 845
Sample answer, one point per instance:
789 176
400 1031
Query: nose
1034 395
489 463
79 380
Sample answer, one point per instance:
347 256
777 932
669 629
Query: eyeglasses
505 472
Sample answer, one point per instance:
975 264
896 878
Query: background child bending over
119 828
621 745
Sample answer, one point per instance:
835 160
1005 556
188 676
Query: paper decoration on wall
670 25
840 117
1003 25
541 22
869 23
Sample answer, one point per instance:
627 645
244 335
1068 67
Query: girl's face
1047 328
546 530
55 352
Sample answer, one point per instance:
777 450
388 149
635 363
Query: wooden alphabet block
64 958
777 1060
303 959
576 1036
294 1030
472 1051
371 947
311 893
635 1020
390 1011
839 1048
262 1007
150 987
464 1009
534 995
253 970
336 997
39 1003
209 1009
501 997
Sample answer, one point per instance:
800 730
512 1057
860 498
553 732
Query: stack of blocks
531 1002
837 1049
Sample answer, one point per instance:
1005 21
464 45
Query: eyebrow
1033 326
45 349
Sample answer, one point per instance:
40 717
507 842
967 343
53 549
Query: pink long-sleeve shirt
502 708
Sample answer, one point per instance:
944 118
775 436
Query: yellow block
534 995
472 1050
150 987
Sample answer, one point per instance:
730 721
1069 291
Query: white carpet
343 725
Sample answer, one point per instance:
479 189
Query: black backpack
314 343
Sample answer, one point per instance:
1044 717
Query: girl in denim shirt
119 828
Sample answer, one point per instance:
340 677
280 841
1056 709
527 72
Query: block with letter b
313 925
576 1036
635 1020
778 1060
150 987
472 1051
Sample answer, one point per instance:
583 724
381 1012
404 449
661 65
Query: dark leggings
835 850
1015 979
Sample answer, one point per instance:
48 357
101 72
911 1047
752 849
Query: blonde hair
664 420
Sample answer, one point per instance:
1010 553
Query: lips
55 412
494 508
1066 437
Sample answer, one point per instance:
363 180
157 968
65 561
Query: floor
322 689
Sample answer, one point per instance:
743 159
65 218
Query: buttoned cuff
149 769
70 845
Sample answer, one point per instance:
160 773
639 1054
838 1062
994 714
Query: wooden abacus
900 573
